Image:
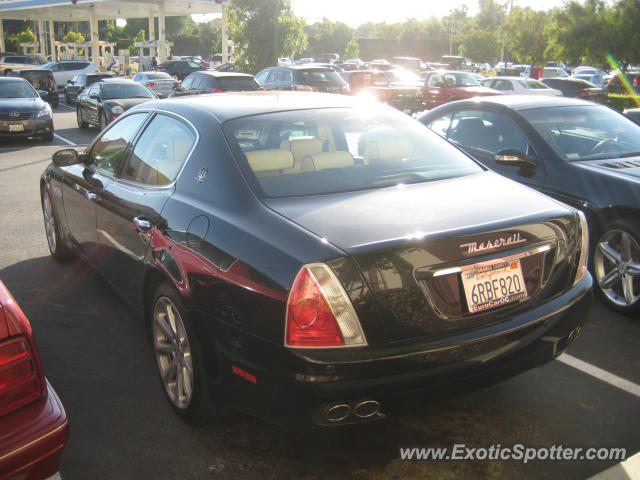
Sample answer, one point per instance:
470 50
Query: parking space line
68 142
600 374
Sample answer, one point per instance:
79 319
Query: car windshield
125 90
314 152
585 132
17 90
238 83
322 76
460 80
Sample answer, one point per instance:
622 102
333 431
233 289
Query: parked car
79 82
584 154
353 64
65 70
525 70
211 81
595 79
328 58
631 82
410 63
302 78
573 87
520 86
446 86
179 68
22 112
263 247
34 423
160 83
43 81
9 63
403 92
107 99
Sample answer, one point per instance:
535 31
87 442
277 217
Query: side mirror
94 96
70 82
43 93
516 158
66 157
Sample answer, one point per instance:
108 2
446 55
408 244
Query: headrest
322 161
302 146
387 150
272 159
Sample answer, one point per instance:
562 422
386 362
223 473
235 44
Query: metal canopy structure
93 10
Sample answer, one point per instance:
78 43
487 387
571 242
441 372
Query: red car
33 423
446 86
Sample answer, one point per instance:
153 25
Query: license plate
493 285
16 127
407 111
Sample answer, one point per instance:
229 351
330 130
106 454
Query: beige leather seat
300 148
322 161
269 163
386 150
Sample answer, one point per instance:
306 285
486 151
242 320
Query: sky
356 12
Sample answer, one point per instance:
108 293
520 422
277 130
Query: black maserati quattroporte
312 257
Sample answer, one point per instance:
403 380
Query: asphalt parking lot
95 354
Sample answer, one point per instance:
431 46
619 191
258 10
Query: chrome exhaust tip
338 412
366 408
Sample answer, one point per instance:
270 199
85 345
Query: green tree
74 37
329 37
14 41
352 50
252 27
480 45
140 37
526 36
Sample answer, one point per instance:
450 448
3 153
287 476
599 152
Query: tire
80 119
47 137
67 100
615 261
179 359
103 121
58 246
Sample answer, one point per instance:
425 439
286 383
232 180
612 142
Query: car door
131 207
92 102
184 87
486 134
434 90
83 183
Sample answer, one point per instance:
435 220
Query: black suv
43 81
211 81
179 68
302 78
79 82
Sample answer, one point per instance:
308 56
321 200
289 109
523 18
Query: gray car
22 112
160 83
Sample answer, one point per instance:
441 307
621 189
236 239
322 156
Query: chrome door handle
142 224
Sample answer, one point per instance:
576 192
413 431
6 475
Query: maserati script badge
475 247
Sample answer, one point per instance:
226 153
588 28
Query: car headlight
584 248
117 110
46 111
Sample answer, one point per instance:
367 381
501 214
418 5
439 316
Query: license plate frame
493 284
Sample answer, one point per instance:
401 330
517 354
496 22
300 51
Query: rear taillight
151 84
217 90
176 84
319 312
20 378
386 96
301 88
584 93
262 89
346 90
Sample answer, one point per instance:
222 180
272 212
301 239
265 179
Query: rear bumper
298 386
32 439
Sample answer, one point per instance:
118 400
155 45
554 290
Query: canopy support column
162 47
225 37
1 35
52 39
152 26
41 36
93 28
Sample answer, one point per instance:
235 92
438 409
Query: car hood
8 105
126 103
366 220
619 167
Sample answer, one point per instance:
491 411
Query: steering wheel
603 146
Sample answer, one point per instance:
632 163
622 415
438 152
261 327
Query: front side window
108 152
262 76
313 152
488 131
160 152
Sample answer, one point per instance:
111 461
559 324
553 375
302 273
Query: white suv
65 70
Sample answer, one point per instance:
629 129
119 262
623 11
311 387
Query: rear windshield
158 76
39 78
321 151
237 83
319 77
125 90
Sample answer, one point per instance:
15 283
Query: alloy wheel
173 353
617 267
49 222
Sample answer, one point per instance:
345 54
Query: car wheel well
601 218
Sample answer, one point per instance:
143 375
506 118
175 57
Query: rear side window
108 152
160 152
